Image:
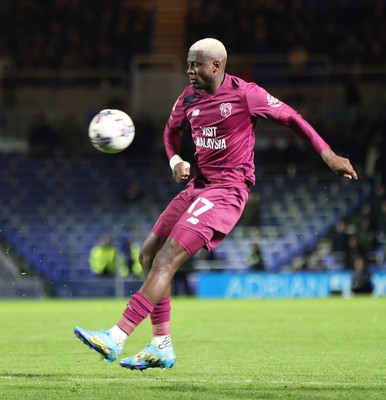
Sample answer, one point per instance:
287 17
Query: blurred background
62 61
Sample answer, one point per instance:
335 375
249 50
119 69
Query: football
111 131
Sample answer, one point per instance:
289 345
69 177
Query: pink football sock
138 308
160 317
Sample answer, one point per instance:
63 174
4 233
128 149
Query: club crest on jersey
273 101
226 109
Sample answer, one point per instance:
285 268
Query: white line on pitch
187 380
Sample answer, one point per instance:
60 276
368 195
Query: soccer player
222 111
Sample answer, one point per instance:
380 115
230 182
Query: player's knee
163 271
164 265
146 260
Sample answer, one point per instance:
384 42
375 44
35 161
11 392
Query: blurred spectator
365 224
339 237
354 251
381 226
382 218
255 258
373 157
366 235
380 165
125 251
381 235
136 268
361 278
130 253
365 219
103 257
377 200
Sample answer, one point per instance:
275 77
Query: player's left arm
340 165
263 104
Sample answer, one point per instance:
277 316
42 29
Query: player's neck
216 85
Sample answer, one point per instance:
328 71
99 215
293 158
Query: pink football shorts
202 214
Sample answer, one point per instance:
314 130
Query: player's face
201 71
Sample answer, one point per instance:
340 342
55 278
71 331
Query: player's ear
216 66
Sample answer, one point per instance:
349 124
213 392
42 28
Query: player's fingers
351 171
348 170
354 174
351 175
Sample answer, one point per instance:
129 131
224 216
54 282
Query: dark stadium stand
56 210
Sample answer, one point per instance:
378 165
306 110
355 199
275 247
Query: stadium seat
58 208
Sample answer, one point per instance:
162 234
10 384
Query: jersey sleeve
263 104
174 128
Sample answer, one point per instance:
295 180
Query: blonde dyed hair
211 47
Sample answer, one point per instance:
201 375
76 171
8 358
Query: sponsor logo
273 101
226 109
166 343
209 139
96 342
195 112
209 131
209 143
193 220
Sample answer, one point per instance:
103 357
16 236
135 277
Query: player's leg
159 353
160 316
214 216
156 284
109 343
161 312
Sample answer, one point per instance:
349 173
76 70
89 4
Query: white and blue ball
111 131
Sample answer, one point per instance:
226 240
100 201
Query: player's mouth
193 81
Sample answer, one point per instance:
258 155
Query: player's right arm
172 137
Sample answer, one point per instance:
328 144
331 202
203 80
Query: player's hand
340 165
181 171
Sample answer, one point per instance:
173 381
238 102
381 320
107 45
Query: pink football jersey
222 126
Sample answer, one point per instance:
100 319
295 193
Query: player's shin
138 308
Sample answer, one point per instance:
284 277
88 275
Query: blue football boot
100 341
150 357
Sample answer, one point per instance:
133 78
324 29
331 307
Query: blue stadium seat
57 209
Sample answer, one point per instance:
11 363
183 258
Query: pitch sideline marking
179 380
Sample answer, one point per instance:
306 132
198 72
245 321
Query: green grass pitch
232 349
